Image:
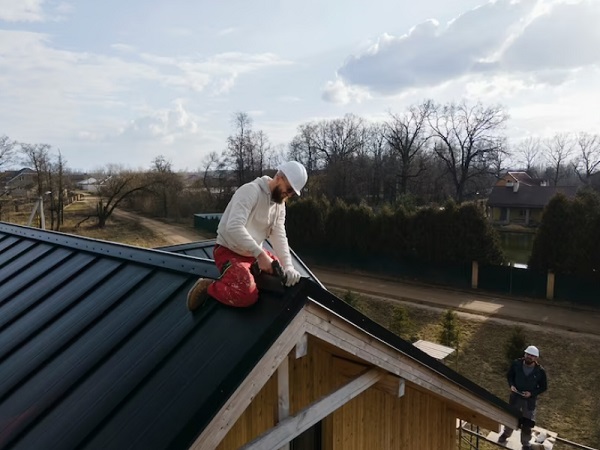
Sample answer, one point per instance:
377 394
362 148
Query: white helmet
295 174
532 350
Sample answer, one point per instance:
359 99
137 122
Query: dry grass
116 230
570 407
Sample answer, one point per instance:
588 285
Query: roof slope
527 196
98 350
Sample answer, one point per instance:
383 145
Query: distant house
521 178
98 351
20 183
89 184
520 203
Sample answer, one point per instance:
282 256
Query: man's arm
279 240
542 384
510 377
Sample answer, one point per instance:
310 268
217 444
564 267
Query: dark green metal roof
98 350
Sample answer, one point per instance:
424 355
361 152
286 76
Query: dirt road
172 233
532 312
537 312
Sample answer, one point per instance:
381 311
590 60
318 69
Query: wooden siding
375 420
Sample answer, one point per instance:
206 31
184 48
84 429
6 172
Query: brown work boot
198 294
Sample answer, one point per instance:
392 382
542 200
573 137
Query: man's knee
236 287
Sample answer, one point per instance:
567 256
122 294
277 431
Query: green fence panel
456 275
207 222
577 289
512 280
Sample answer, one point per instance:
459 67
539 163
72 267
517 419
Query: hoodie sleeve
279 240
244 200
510 375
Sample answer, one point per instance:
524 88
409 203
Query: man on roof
256 212
526 380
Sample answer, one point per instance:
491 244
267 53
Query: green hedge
450 234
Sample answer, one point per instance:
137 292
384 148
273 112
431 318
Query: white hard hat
532 350
295 174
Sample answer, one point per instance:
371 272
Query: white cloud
341 93
543 40
21 10
167 125
567 36
218 73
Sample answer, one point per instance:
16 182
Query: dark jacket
536 382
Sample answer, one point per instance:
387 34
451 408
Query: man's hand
526 394
513 389
292 276
265 262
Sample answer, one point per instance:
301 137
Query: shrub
400 321
449 335
516 343
351 298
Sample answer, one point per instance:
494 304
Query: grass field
116 230
570 407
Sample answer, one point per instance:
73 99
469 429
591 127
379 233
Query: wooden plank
243 395
283 393
291 427
302 346
389 383
340 333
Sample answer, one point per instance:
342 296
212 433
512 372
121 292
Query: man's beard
529 361
277 195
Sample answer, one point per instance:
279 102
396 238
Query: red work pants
236 285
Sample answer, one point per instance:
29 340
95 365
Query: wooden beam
338 332
283 393
216 430
302 346
390 384
293 426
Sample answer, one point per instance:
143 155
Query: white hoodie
250 218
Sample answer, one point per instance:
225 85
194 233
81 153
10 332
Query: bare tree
407 138
588 159
262 152
118 184
467 139
557 151
240 151
528 152
38 157
498 160
7 148
303 147
214 179
333 145
375 150
165 183
59 168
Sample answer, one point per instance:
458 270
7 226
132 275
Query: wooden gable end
358 391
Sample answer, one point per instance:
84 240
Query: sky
115 82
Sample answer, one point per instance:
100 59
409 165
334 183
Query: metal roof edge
152 257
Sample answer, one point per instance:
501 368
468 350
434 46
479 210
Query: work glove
292 276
